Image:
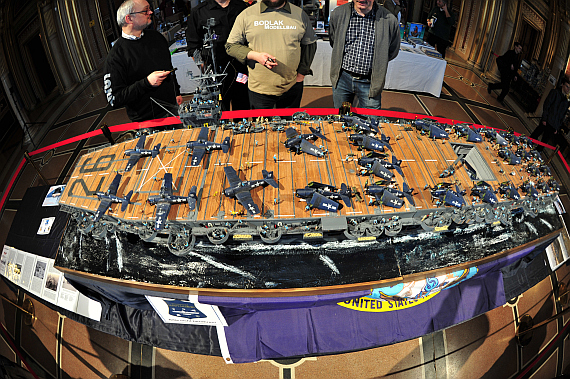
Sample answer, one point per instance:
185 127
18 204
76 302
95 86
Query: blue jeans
348 87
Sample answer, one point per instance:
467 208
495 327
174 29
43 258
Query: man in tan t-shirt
277 42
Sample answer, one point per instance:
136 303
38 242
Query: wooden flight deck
423 160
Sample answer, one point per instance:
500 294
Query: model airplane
370 143
528 188
369 127
329 192
443 193
139 151
509 157
465 130
165 199
485 192
495 137
508 190
110 197
298 143
431 128
371 158
202 146
240 189
390 197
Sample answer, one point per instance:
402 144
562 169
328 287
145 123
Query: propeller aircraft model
110 197
431 128
240 189
389 196
528 188
466 131
329 192
368 127
165 199
202 146
139 151
443 193
485 192
509 157
495 137
371 158
370 143
508 190
298 143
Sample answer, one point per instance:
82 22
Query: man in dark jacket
394 7
440 20
224 12
553 111
508 65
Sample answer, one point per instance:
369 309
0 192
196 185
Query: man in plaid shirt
364 37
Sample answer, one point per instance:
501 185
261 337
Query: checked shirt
359 43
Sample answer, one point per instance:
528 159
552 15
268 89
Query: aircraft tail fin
126 201
269 179
155 150
226 145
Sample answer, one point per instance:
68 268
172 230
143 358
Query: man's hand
263 59
300 77
429 23
178 99
157 77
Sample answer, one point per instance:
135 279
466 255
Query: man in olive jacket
358 65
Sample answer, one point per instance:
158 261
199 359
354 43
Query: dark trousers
503 85
290 99
547 132
234 93
440 44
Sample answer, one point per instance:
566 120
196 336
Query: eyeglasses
142 12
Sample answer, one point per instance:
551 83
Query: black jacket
554 108
126 69
504 63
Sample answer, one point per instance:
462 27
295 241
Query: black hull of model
296 262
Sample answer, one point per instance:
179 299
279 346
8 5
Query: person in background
364 37
224 12
553 111
278 42
508 65
440 20
394 7
138 67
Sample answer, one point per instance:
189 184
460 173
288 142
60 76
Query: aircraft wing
290 133
232 176
115 185
373 144
473 136
197 155
162 210
321 202
309 148
379 170
167 183
141 142
103 206
245 199
390 200
133 160
203 136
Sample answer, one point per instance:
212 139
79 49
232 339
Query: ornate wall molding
536 21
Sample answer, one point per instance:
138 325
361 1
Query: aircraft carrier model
311 179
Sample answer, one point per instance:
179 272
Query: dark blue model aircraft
443 194
390 197
508 190
554 186
298 143
485 192
202 146
370 143
495 137
139 151
165 199
465 130
110 197
371 158
509 157
327 191
528 188
431 128
240 189
369 127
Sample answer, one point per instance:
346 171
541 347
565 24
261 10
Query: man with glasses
138 69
